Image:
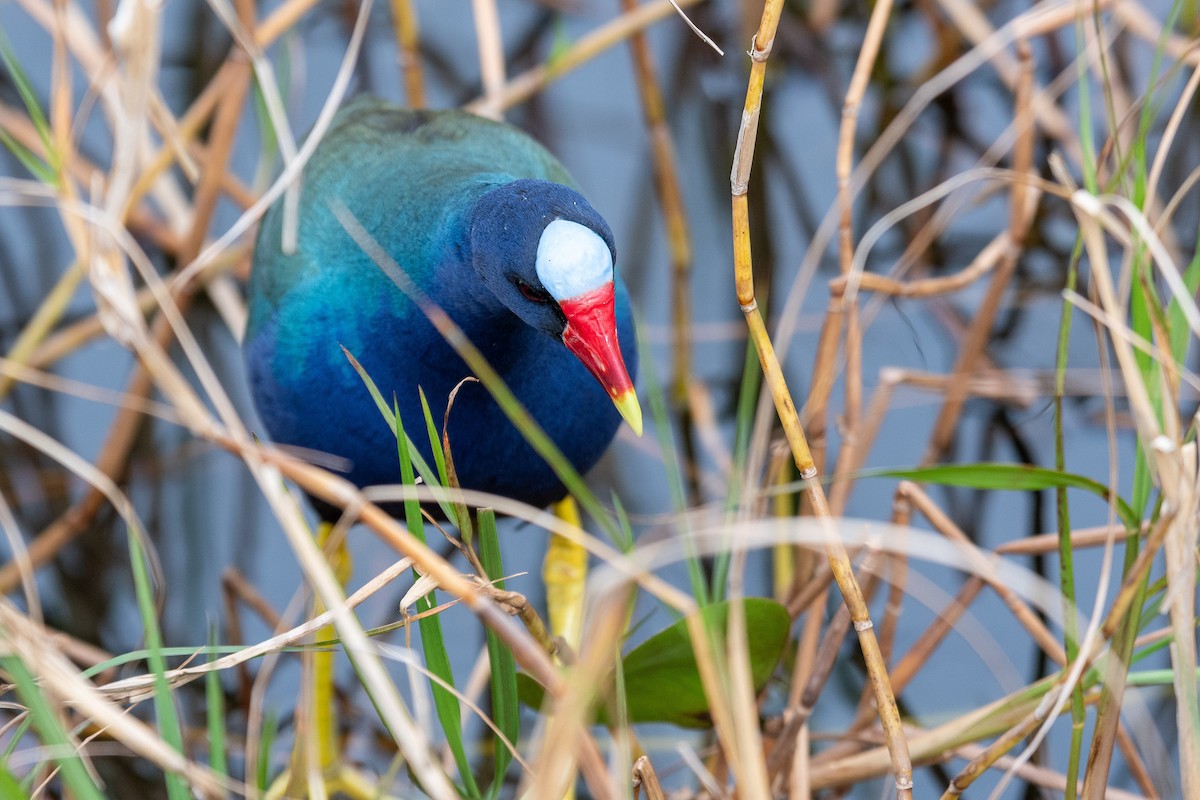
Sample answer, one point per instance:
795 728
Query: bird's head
548 256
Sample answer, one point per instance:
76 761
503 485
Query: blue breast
411 178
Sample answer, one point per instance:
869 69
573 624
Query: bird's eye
531 294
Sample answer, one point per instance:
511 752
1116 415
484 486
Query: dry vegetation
1087 190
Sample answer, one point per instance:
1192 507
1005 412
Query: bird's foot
337 781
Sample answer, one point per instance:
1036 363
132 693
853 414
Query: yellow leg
323 713
321 710
565 574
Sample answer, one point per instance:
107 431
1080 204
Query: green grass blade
743 427
266 740
59 744
10 788
30 98
36 166
412 509
1011 477
435 441
15 737
1180 334
1066 549
505 709
666 442
215 701
134 656
164 704
433 644
623 524
386 412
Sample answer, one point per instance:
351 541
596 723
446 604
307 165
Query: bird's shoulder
435 147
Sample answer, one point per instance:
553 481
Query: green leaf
390 417
28 97
49 729
10 789
662 680
215 701
1011 477
36 166
435 441
433 644
266 739
164 704
505 711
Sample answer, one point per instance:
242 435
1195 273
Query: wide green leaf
662 681
1011 477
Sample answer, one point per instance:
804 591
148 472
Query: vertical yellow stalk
408 43
785 408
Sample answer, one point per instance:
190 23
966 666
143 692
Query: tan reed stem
523 86
666 182
491 58
408 44
744 281
1019 221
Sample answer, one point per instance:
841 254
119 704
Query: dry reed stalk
816 408
521 87
1019 222
224 129
834 768
1089 210
1047 778
747 732
118 445
897 579
807 649
922 649
1081 539
797 714
42 321
339 492
844 163
197 116
61 681
132 329
112 461
408 46
839 560
983 263
1134 763
1039 20
942 523
491 58
140 220
992 753
566 728
235 587
68 338
670 196
644 777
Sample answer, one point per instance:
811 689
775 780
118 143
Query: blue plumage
460 203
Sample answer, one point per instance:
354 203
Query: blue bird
493 230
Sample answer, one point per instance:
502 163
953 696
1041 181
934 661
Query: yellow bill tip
629 408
